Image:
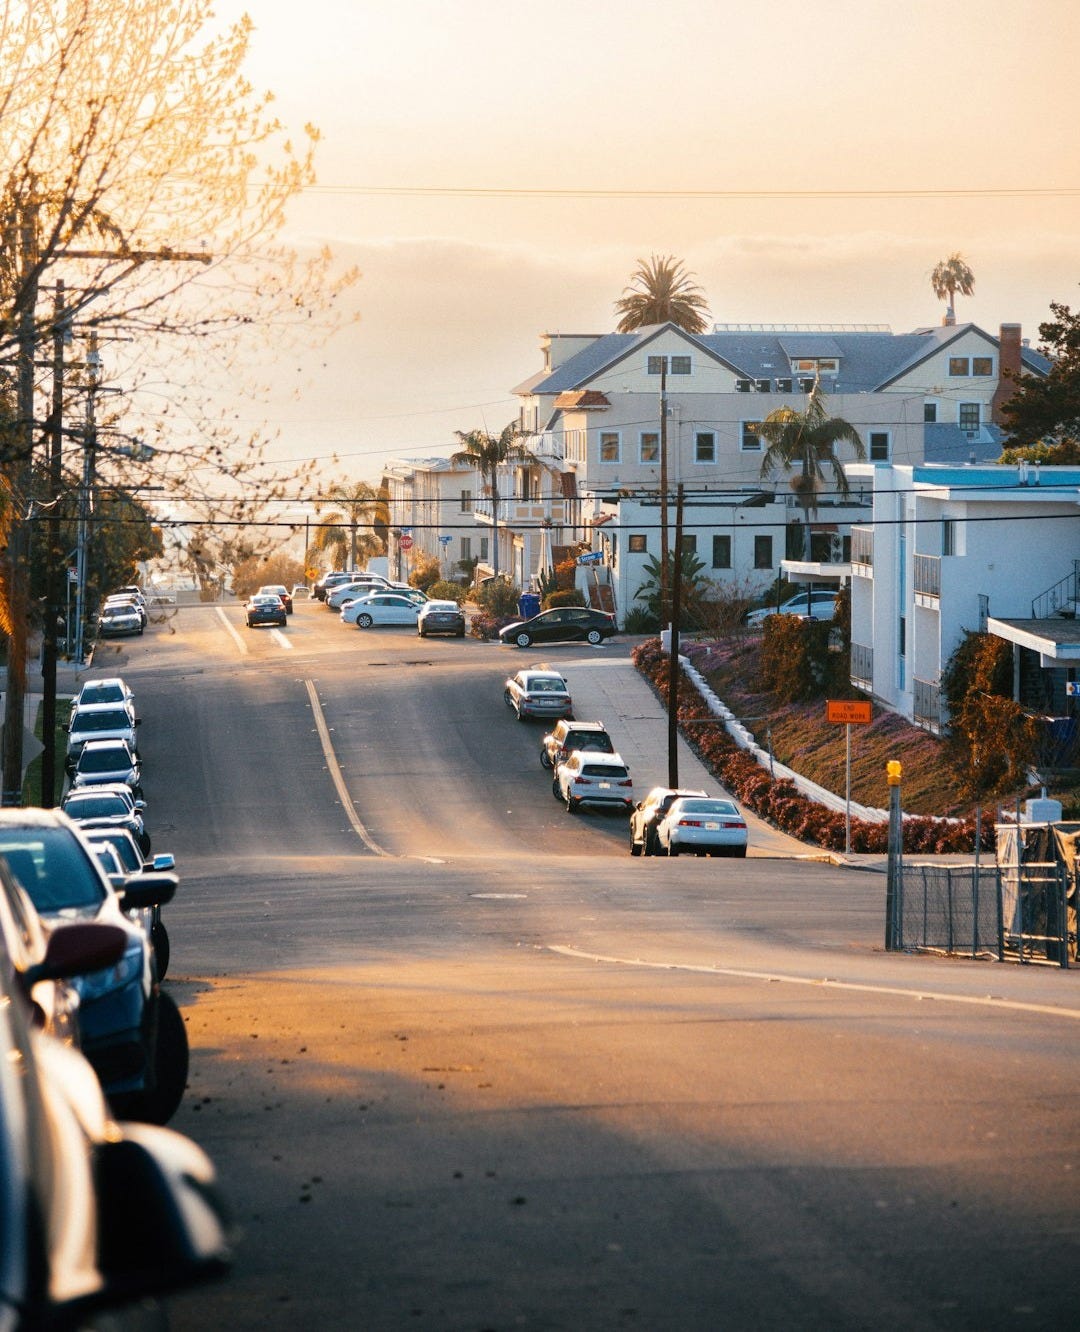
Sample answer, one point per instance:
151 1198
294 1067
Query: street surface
462 1063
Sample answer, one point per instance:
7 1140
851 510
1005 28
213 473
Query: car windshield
101 693
101 721
707 807
52 867
106 759
594 740
603 770
96 806
547 687
124 847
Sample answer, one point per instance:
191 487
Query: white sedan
381 608
702 826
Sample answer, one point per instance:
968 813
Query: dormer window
763 385
743 385
783 386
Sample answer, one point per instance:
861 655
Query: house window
609 446
466 548
677 365
689 543
958 366
806 386
704 447
649 447
483 548
466 501
680 365
749 439
948 536
929 412
763 385
763 552
655 365
982 365
637 544
879 446
721 552
969 416
783 386
743 385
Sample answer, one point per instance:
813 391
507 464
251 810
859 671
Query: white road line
335 773
980 1001
230 630
280 639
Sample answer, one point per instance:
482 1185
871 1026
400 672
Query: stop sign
406 542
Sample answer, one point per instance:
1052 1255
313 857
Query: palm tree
807 441
661 292
952 275
487 453
359 502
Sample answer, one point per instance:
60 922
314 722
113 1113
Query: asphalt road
462 1063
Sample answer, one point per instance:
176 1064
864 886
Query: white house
431 503
980 548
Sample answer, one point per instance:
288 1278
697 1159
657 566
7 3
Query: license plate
605 786
712 827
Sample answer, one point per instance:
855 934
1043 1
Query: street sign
849 710
591 557
1072 688
406 542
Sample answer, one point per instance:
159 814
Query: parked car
277 590
441 617
331 580
570 735
123 599
647 813
99 721
702 826
108 761
588 778
566 624
116 621
131 1030
538 693
265 610
362 586
301 592
114 807
96 1216
380 608
132 859
109 689
817 605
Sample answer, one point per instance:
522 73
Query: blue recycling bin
529 605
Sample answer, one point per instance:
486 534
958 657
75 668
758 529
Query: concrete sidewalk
610 689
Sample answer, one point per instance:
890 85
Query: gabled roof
869 360
582 400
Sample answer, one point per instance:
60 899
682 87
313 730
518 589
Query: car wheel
635 847
420 632
522 715
545 759
571 806
159 937
651 846
523 640
460 633
594 636
158 1104
507 698
672 850
739 851
364 622
555 790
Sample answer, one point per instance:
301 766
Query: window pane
763 552
680 365
609 447
969 416
650 448
958 365
637 543
750 440
929 411
656 365
721 552
982 365
879 446
689 543
705 446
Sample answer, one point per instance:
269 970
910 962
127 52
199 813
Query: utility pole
86 495
673 653
60 332
664 573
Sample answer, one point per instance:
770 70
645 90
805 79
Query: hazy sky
469 101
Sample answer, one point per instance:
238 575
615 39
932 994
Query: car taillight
689 823
627 782
581 781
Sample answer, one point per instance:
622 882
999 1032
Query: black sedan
567 624
265 610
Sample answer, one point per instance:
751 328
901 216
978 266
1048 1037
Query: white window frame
603 435
932 405
648 434
870 455
466 501
698 459
960 415
743 446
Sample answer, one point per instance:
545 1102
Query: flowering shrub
485 625
778 800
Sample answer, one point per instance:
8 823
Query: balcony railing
928 575
862 666
862 546
926 707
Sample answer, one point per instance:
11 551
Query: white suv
588 778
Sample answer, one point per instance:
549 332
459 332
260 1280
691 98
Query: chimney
1010 350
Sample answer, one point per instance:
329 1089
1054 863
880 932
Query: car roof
597 756
441 605
658 792
568 725
536 674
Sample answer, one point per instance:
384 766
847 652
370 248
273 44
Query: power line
514 192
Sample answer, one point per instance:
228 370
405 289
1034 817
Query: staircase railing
1061 598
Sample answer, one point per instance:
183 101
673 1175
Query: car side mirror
148 890
73 950
165 860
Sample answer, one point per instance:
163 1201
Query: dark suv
570 735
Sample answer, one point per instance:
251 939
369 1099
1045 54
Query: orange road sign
850 710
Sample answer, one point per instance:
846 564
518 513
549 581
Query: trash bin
529 605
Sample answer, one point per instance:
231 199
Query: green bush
556 599
499 597
425 572
640 620
446 591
